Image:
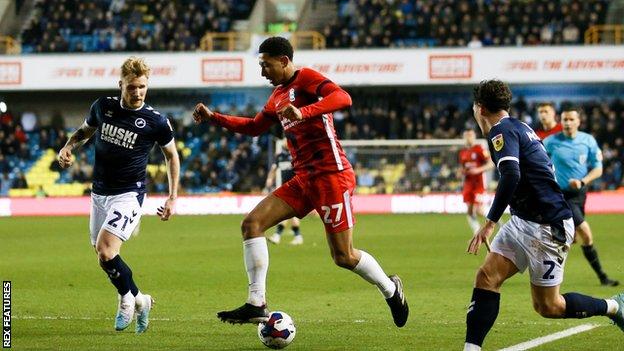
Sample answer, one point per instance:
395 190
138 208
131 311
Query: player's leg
270 211
277 236
485 301
123 213
471 216
331 195
506 259
120 275
583 231
298 238
471 204
549 303
546 267
367 267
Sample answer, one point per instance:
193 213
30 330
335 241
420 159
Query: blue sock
296 230
583 306
280 229
120 275
482 314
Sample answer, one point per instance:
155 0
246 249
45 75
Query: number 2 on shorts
551 267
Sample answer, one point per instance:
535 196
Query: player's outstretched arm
173 174
334 99
77 139
243 125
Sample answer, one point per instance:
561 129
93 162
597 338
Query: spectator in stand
5 183
20 181
108 21
414 23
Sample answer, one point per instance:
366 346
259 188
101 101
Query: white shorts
118 214
530 244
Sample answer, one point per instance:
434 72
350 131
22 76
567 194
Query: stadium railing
605 34
9 46
241 41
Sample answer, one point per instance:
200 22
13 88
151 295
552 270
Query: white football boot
125 311
144 305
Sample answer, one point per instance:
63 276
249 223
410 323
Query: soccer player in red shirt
548 120
475 161
302 102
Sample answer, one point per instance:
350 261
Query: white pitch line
84 318
552 337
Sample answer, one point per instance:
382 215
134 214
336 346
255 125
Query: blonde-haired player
125 130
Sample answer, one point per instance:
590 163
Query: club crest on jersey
139 122
291 94
108 114
498 142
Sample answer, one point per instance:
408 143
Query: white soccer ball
278 332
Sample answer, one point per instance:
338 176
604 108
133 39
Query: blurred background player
302 102
578 162
548 120
474 161
280 173
538 235
125 131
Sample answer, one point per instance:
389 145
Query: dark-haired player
125 131
578 162
302 102
539 233
548 120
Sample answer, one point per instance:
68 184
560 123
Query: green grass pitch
193 267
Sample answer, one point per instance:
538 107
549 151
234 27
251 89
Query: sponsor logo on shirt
118 136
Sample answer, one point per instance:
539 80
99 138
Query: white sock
139 299
471 347
127 298
371 271
256 255
473 222
612 307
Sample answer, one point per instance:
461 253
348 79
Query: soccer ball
278 332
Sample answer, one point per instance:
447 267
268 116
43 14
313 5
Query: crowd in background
474 23
127 25
217 160
159 25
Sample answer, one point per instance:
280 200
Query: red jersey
312 141
543 134
471 157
